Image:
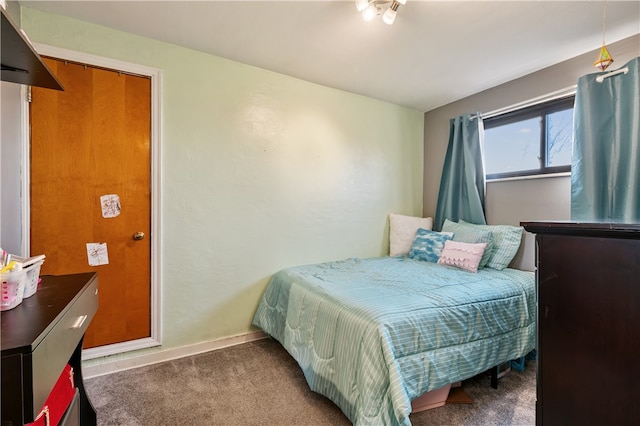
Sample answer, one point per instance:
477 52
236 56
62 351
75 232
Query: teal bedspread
373 334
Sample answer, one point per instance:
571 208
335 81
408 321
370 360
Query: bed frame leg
494 377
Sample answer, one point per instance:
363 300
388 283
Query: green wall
260 171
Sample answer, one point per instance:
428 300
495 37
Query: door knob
138 235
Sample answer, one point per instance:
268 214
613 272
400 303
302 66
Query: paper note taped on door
97 254
110 205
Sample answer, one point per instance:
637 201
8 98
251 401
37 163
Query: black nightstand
39 337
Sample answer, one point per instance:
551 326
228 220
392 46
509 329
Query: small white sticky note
97 254
110 205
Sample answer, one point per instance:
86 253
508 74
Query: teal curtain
605 168
462 186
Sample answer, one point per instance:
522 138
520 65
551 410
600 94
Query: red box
58 400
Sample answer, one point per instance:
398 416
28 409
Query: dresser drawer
49 358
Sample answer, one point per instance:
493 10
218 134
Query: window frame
541 111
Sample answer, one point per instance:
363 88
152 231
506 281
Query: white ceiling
435 53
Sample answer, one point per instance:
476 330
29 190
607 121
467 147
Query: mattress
373 334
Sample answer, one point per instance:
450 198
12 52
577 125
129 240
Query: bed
373 334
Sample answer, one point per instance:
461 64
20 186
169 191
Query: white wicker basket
12 289
32 279
32 267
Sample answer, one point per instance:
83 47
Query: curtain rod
601 77
548 97
567 91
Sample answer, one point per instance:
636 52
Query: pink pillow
462 255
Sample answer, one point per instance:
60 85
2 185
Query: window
530 141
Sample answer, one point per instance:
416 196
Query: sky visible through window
559 138
515 147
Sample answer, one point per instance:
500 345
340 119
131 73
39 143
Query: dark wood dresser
39 337
588 279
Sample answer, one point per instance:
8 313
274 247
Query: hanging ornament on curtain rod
604 58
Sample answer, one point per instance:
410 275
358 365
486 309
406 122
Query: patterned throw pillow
427 245
462 255
402 231
465 233
506 239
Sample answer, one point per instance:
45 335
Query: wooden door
89 141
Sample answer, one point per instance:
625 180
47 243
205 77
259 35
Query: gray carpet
258 383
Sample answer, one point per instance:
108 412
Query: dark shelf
20 62
584 229
40 337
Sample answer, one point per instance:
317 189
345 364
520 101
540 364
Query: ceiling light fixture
604 58
372 8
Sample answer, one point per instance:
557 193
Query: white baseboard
119 348
92 369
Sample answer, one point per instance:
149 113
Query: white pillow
402 231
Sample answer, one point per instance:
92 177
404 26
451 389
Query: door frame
155 75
